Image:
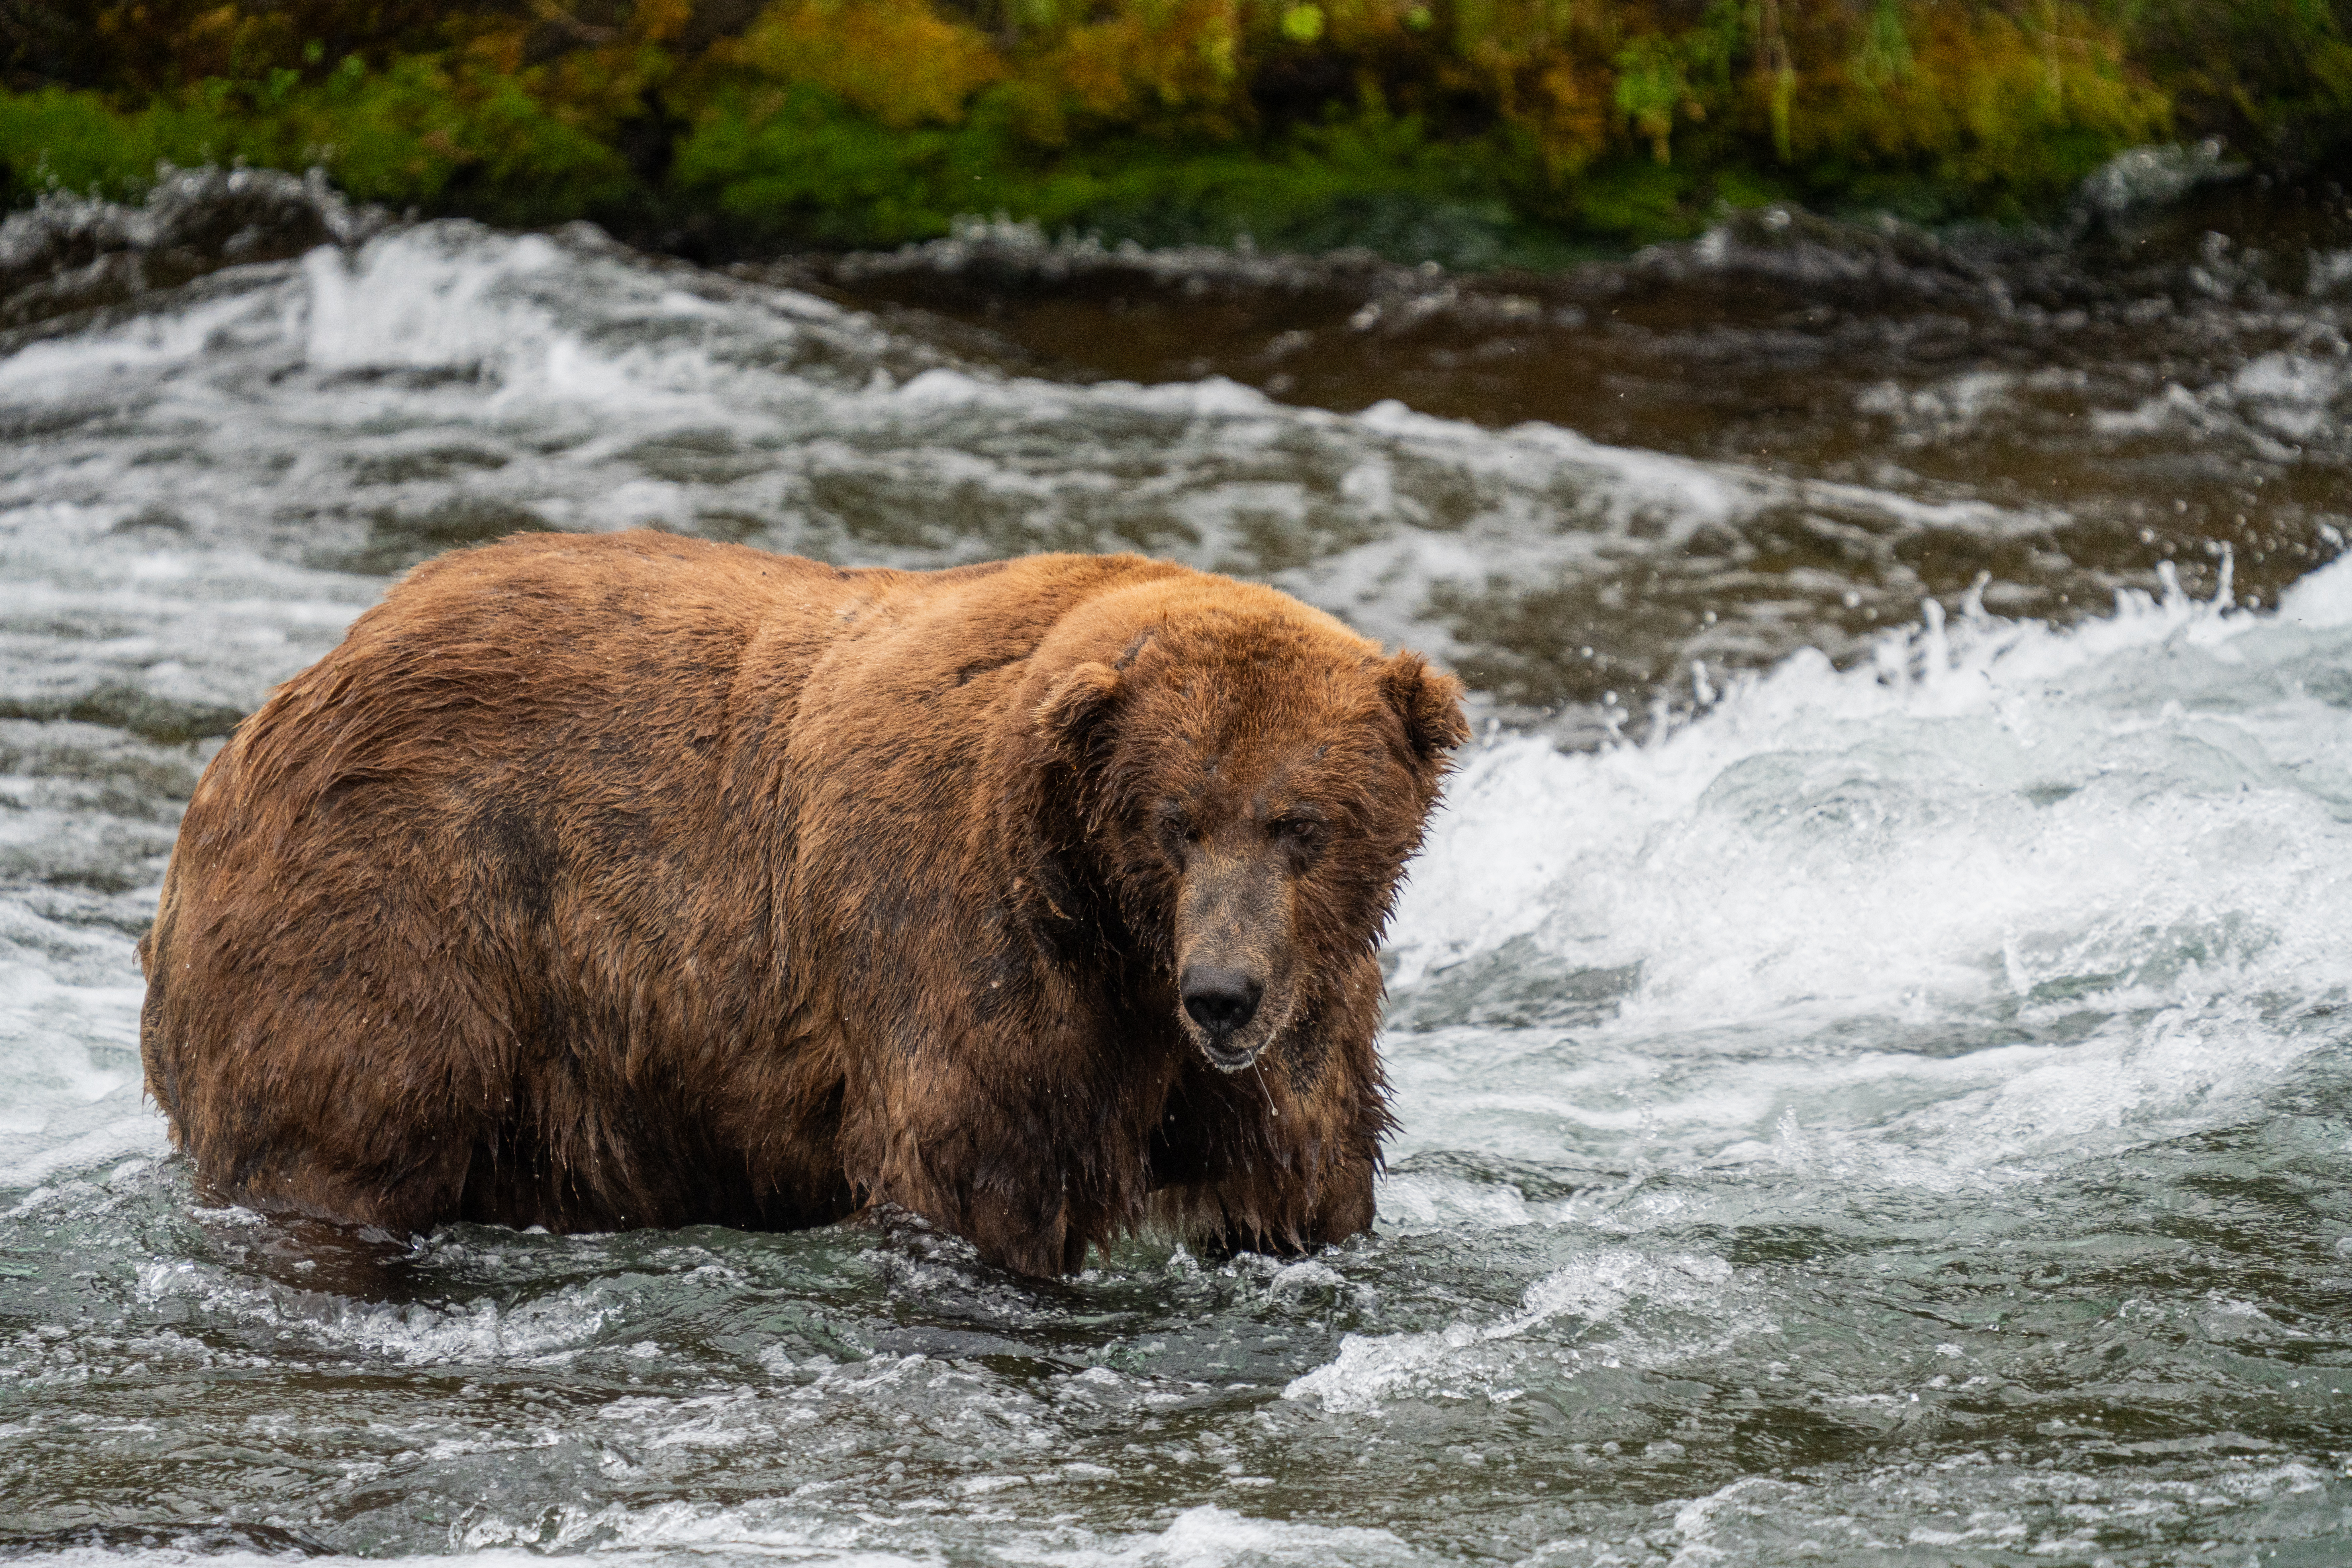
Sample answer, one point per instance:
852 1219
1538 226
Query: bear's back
404 892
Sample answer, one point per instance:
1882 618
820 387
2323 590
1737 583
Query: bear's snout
1222 1001
1235 927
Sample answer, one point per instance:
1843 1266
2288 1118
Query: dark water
1890 1105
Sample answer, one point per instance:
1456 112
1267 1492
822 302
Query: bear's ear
1430 703
1078 704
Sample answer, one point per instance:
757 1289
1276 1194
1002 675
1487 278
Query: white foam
796 1530
2118 832
544 1330
2279 404
56 369
1971 1504
69 1094
756 1551
1656 1308
1207 1536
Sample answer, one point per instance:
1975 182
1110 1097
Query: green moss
74 141
808 171
420 134
408 136
1639 201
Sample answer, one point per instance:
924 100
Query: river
1869 1026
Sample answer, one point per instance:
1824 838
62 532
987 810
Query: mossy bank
1470 130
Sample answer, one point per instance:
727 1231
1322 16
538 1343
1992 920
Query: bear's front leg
1005 1195
1343 1202
1025 1233
1340 1205
1266 1210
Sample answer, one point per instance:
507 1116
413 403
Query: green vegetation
1474 130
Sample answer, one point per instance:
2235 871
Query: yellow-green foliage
55 137
1977 99
870 120
1143 64
900 62
1930 83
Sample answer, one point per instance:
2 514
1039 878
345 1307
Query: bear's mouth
1230 1059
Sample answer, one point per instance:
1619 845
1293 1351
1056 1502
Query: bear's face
1253 799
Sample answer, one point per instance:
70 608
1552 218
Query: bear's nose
1220 1000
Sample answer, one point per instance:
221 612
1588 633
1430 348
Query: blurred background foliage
1472 130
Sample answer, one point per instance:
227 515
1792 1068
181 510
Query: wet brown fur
600 882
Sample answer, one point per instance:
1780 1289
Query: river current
1870 1026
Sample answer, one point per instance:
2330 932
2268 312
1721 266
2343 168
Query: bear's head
1250 780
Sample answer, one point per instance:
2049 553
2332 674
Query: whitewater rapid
1890 1108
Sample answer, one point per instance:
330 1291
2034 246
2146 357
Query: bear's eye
1298 830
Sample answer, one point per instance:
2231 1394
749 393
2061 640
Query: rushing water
1873 1078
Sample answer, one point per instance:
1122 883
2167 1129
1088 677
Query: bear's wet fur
596 882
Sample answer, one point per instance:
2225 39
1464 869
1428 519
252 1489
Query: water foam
1207 1536
1995 901
2280 405
1625 1309
442 383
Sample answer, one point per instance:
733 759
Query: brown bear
610 881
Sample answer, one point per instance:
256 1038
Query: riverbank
1472 131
